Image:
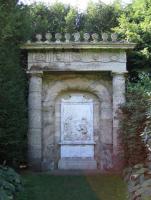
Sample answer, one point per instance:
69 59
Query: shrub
10 183
135 118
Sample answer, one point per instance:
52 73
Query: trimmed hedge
13 110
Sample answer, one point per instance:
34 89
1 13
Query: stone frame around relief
77 137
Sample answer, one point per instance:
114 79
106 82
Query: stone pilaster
118 84
35 120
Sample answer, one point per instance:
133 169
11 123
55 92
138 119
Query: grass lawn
52 187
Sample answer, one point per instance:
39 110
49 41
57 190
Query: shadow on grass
93 187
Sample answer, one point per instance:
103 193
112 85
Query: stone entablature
83 71
77 56
83 57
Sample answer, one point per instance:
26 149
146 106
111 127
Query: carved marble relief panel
77 119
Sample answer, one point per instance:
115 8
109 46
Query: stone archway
53 90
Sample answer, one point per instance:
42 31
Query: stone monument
75 90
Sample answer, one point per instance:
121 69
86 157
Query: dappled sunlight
108 187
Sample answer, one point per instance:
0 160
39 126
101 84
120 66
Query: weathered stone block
34 119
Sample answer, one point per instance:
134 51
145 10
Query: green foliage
62 18
135 118
135 25
48 18
71 21
13 123
10 183
100 18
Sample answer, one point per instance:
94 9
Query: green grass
49 187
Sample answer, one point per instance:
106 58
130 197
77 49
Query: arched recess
50 138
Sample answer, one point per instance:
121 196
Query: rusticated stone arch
95 87
52 91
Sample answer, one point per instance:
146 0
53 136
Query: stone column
35 120
118 99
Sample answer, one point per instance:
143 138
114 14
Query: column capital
37 73
118 73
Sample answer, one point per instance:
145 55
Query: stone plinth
77 164
77 150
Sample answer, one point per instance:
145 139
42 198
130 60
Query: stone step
77 164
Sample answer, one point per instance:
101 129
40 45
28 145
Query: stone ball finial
28 41
86 37
76 37
95 37
39 37
48 37
114 37
67 37
58 37
105 37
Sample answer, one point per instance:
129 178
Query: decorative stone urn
39 38
48 37
114 37
104 37
58 37
86 37
95 37
76 37
67 37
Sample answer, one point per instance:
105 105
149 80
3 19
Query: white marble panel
80 151
76 119
77 126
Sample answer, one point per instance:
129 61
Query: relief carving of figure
83 128
76 129
68 127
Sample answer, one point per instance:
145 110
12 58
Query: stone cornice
78 46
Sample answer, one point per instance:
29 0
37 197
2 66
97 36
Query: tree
13 112
64 18
135 25
72 21
100 18
50 19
